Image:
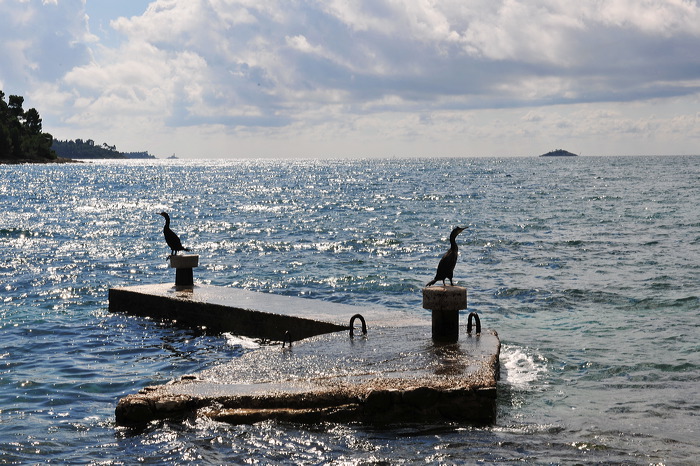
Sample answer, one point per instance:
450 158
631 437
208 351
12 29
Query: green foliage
21 137
86 149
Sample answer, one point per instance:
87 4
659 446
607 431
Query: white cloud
367 70
667 17
41 40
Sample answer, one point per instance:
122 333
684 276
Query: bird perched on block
170 237
447 264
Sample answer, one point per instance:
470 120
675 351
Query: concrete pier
219 309
391 375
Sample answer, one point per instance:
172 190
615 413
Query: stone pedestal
183 265
445 302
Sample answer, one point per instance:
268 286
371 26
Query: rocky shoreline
41 161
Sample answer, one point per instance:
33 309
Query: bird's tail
431 283
186 249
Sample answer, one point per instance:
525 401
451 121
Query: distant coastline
22 139
559 153
87 149
37 161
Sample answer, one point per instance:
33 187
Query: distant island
559 153
87 149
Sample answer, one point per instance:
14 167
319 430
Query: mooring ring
352 323
478 323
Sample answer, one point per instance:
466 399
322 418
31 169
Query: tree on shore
87 149
21 137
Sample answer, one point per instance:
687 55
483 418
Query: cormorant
170 237
447 264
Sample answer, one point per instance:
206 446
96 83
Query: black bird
447 264
170 237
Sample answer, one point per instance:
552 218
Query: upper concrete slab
249 313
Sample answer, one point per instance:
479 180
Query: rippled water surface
588 268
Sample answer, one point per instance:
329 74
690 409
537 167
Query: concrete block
445 298
184 261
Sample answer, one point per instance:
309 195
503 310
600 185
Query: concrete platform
391 375
259 315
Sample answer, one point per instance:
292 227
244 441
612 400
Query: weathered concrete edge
217 317
414 400
474 405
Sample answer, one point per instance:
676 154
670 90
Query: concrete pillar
183 266
445 302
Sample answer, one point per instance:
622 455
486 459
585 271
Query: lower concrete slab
259 315
391 375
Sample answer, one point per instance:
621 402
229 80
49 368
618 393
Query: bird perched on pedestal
447 264
170 237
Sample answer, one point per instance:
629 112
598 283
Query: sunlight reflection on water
570 262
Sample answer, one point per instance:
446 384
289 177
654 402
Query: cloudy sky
365 78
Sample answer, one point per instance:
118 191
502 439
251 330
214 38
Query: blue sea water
588 268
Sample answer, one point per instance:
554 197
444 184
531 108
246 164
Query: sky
360 78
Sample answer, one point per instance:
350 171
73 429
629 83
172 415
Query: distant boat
559 153
172 157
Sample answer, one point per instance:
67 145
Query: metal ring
352 322
478 323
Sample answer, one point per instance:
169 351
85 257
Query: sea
587 267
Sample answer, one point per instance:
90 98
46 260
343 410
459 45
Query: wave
519 367
243 342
